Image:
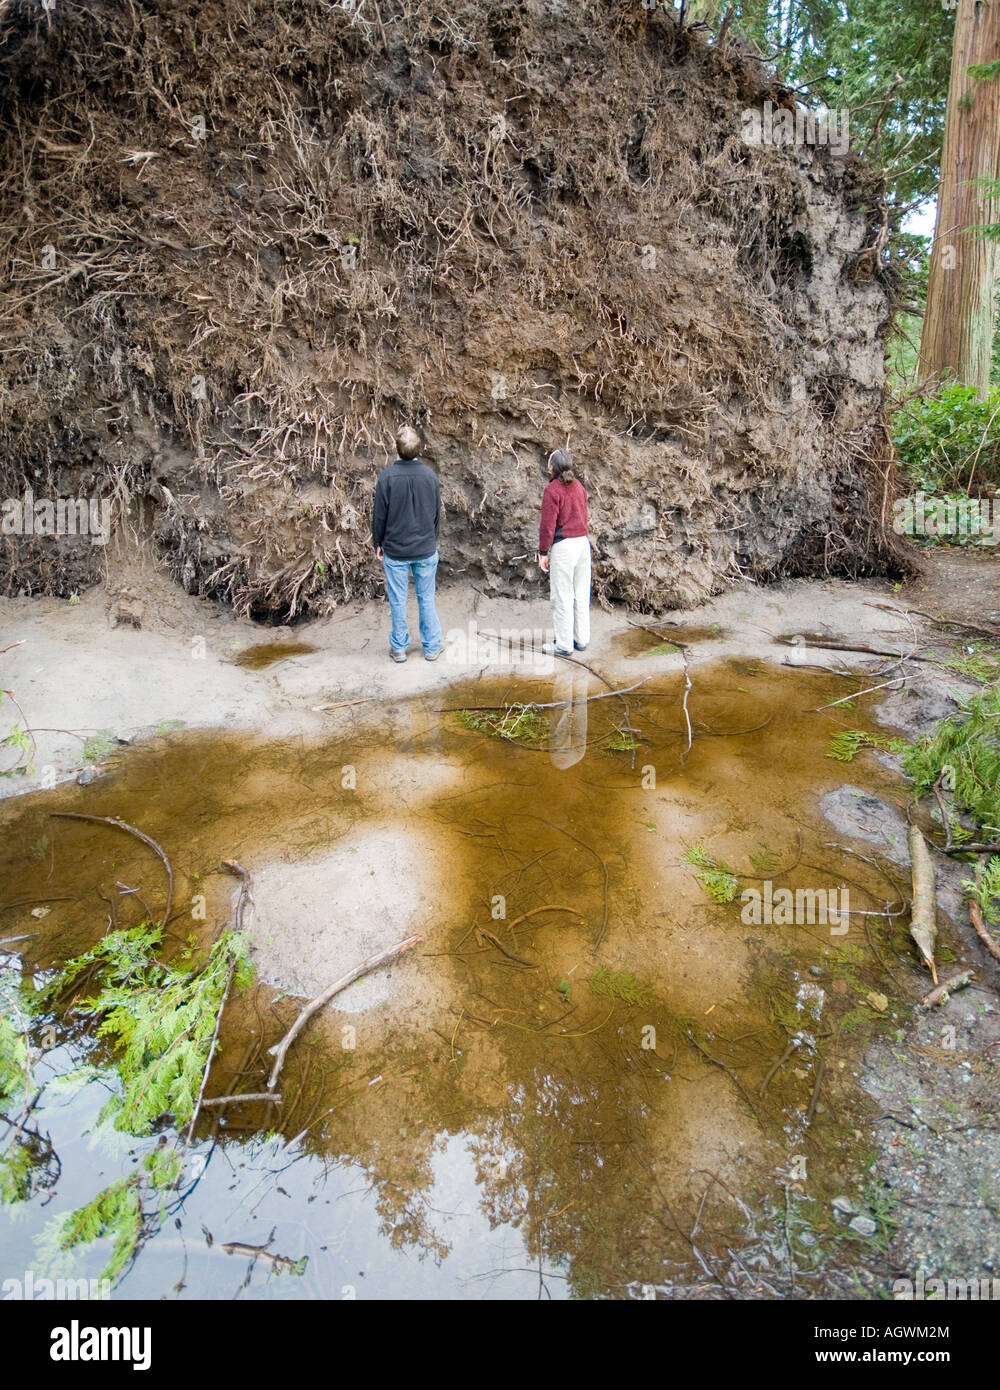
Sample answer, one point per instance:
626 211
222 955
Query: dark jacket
406 517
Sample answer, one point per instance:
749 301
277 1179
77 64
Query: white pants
569 591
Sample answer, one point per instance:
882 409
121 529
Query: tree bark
957 335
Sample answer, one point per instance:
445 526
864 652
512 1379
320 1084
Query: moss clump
99 745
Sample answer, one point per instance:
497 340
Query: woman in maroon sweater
564 555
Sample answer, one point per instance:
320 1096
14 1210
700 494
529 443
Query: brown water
264 654
504 1113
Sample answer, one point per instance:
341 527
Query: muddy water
572 1071
264 654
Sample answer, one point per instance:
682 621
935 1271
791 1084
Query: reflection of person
406 520
568 721
564 555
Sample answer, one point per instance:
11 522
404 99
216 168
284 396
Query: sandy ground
75 676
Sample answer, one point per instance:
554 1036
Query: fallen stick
131 830
534 704
684 702
832 646
511 955
793 1043
343 704
231 866
945 818
237 1100
940 995
858 693
820 1073
969 848
923 918
258 1252
976 918
280 1050
941 622
547 907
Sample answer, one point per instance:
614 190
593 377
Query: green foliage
18 739
966 748
618 984
116 1211
25 1154
160 1019
854 56
986 891
846 743
621 741
718 879
945 444
764 860
514 723
980 662
15 1053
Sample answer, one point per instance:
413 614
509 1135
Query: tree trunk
958 327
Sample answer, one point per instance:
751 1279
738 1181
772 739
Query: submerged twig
238 1100
139 835
280 1050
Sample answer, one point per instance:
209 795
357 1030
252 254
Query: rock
817 972
845 1206
863 1226
87 776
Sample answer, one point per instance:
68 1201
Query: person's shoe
432 656
550 649
397 656
581 646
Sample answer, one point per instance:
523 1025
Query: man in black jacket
406 520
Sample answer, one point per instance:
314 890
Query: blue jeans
397 586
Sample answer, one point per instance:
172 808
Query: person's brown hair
407 443
562 466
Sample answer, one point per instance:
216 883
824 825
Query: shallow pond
590 1077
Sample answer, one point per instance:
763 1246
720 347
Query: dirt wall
243 241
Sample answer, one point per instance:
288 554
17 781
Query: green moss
99 745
